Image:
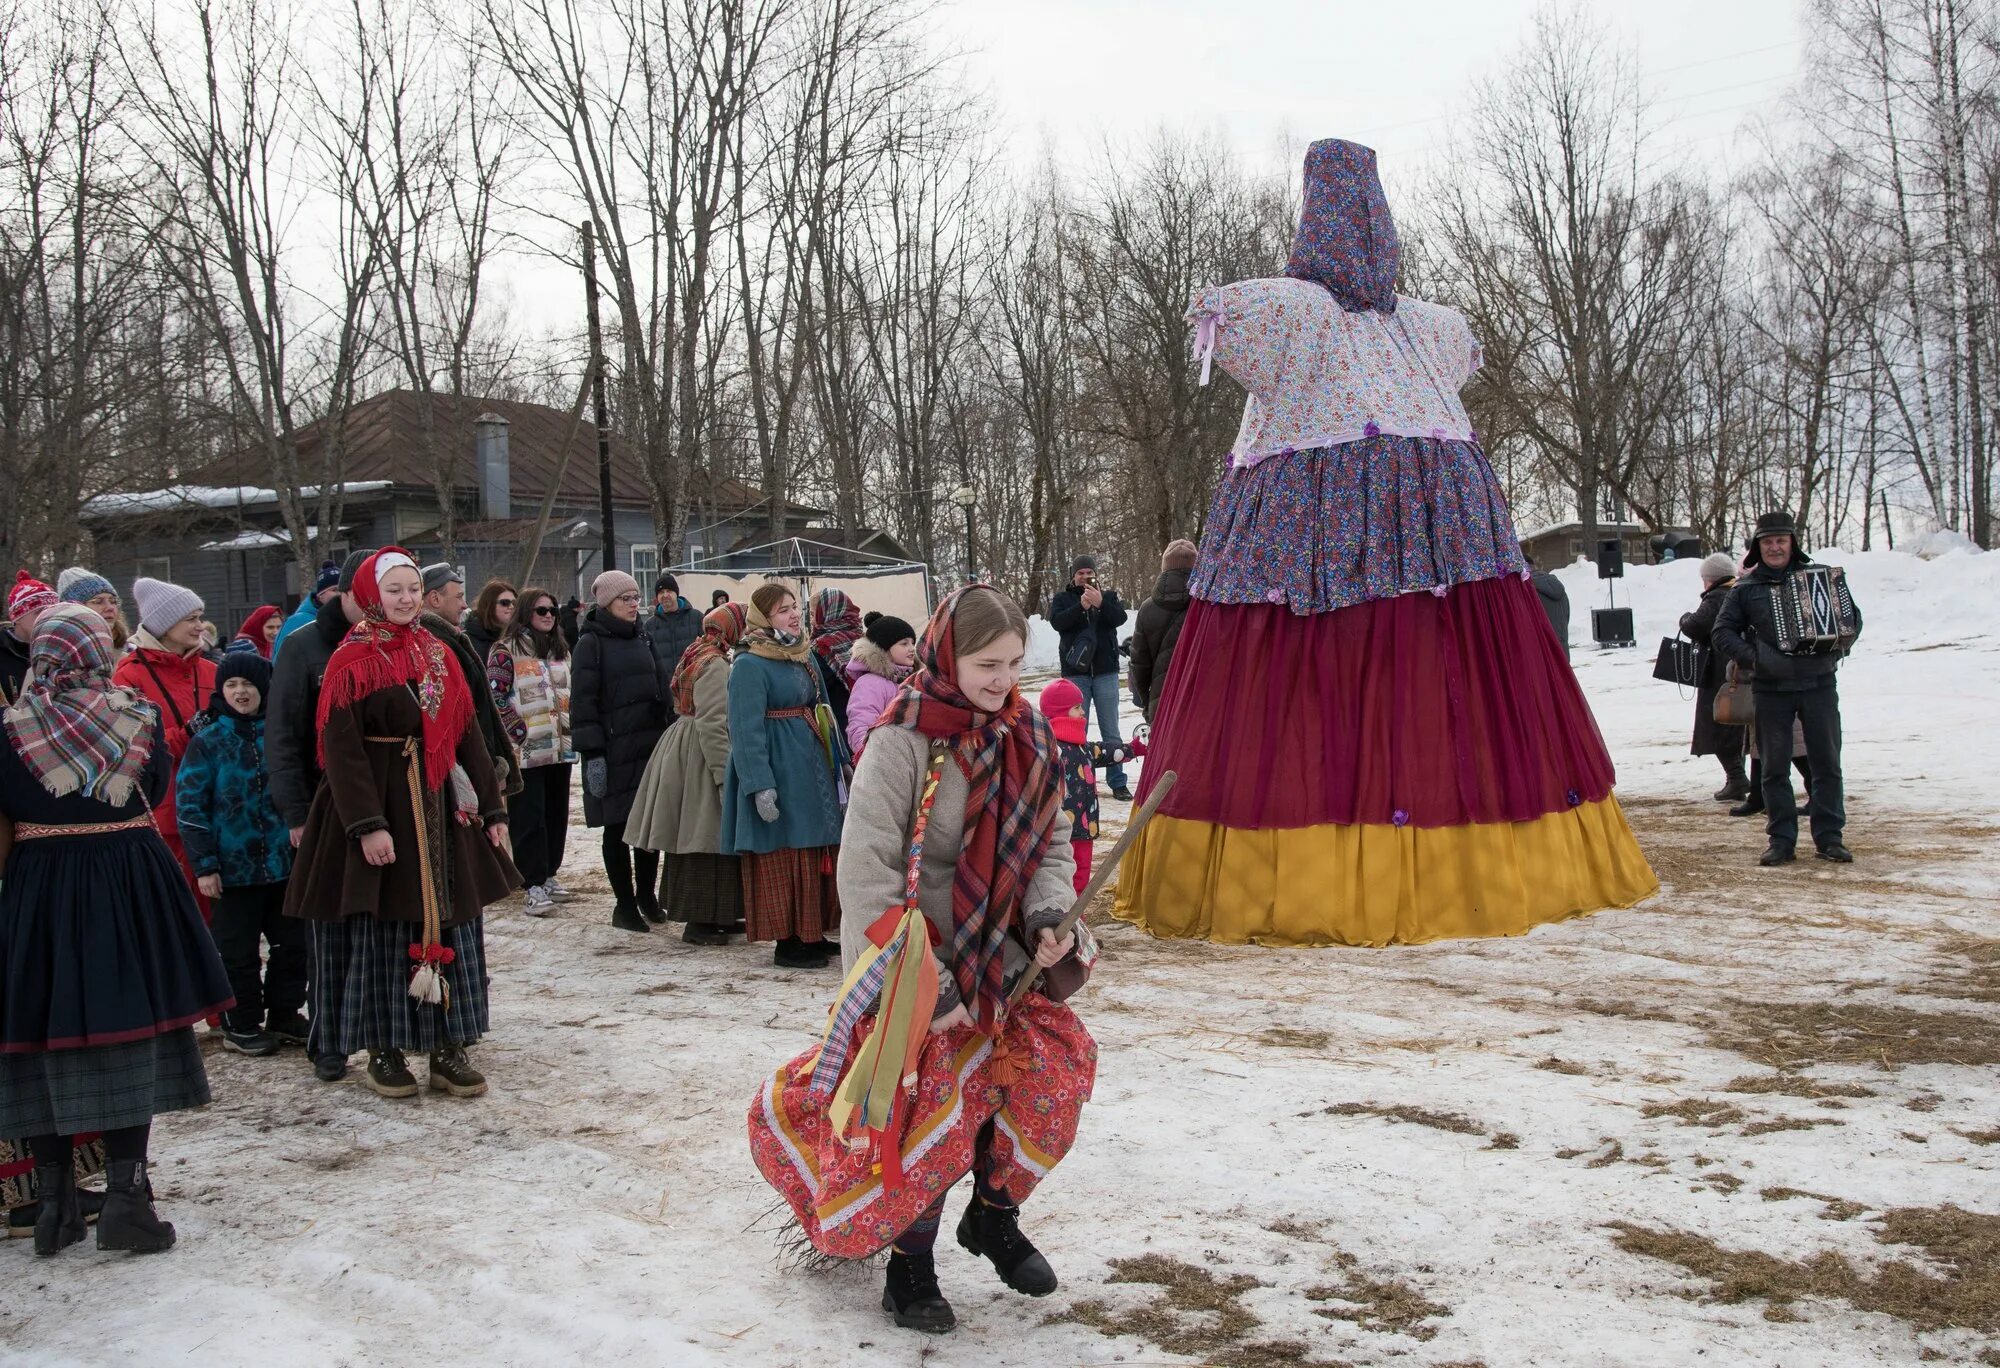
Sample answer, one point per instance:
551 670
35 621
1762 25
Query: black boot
1835 852
649 907
245 1035
389 1074
452 1073
1777 853
912 1294
129 1221
1750 806
792 953
1735 784
625 916
289 1027
995 1232
701 934
59 1223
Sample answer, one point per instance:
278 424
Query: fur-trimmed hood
867 658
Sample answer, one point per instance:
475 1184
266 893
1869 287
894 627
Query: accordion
1814 612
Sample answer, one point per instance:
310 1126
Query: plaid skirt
790 894
361 989
101 1087
702 890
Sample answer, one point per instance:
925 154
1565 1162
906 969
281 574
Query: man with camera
1088 619
1787 685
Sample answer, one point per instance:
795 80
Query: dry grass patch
1980 1137
1960 1289
1193 1312
1695 1112
1288 1038
1794 1085
1453 1122
1789 1036
1561 1066
1835 1208
1789 1123
1386 1306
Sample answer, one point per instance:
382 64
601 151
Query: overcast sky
1391 73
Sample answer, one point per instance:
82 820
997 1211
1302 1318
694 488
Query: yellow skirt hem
1379 884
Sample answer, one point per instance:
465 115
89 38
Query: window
645 564
154 567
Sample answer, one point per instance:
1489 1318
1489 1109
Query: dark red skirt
1420 710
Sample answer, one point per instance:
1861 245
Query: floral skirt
838 1194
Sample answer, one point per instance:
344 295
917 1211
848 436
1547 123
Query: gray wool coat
874 852
678 806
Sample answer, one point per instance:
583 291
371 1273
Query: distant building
1552 548
222 535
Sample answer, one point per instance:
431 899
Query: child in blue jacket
241 851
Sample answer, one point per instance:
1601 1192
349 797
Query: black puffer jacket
1069 617
618 706
1555 603
1746 631
291 727
670 634
1154 637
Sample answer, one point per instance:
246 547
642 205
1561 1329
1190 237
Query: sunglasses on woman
543 610
503 603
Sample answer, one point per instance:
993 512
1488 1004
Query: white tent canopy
878 584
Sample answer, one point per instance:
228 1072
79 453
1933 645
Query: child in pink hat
1062 705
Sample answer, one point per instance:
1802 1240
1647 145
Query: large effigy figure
1377 735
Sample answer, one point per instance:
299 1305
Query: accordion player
1814 612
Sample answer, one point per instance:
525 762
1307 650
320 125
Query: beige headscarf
767 641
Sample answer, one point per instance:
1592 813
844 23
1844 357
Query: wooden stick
1099 878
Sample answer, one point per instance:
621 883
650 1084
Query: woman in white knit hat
1718 577
167 664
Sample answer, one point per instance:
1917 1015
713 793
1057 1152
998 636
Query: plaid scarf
378 654
836 626
721 629
74 731
1014 792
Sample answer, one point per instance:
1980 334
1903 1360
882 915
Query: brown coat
367 789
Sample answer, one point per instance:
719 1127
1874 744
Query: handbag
1735 705
1679 662
1080 656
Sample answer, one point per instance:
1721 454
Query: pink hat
1058 701
29 595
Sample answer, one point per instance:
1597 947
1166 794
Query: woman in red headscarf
260 629
403 849
956 815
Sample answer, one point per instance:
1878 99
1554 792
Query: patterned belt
33 831
779 714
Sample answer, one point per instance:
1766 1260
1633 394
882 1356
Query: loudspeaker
1688 548
1610 558
1612 627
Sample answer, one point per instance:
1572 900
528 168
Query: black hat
666 584
886 631
242 665
870 619
439 575
1777 524
1082 563
351 567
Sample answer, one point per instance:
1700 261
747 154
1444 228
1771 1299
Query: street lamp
964 497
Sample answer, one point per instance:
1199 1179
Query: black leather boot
912 1294
452 1072
1777 853
129 1221
59 1224
995 1232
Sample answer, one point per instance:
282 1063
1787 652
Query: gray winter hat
1718 567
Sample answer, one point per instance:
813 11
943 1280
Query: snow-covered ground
1498 1153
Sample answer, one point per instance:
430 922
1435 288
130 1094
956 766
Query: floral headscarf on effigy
1346 239
378 654
75 732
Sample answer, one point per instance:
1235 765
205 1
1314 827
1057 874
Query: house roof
385 441
870 541
509 531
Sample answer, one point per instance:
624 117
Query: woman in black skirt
403 848
104 963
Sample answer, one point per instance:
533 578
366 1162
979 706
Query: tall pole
971 565
597 393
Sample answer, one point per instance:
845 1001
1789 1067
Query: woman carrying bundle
955 837
678 808
404 846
